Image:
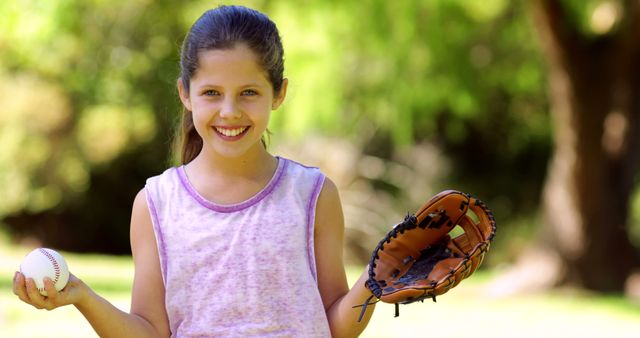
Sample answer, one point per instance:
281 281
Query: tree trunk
594 84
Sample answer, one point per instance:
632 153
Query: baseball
41 263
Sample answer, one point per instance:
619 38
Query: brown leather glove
418 259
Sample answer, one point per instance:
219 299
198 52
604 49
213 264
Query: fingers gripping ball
418 258
41 263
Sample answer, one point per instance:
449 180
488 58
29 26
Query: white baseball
41 263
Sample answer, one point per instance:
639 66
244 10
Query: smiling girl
235 242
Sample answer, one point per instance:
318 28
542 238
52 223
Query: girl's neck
239 178
258 164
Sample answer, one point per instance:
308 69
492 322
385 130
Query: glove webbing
409 222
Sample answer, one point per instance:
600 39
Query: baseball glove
418 258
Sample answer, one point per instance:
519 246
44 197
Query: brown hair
223 28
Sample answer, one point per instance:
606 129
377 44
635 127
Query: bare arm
147 317
338 300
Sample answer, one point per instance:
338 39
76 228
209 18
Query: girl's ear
184 94
279 98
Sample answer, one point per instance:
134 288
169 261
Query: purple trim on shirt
311 216
155 221
282 164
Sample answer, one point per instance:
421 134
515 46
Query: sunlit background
534 107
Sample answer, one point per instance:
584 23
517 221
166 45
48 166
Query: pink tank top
241 270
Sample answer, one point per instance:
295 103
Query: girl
235 242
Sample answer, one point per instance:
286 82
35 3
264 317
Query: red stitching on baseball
56 267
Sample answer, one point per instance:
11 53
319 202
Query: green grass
467 311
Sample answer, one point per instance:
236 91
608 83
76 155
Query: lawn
466 311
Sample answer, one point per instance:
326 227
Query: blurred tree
392 77
394 74
87 88
593 54
388 75
88 92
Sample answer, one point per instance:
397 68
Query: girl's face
231 100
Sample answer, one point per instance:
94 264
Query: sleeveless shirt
240 270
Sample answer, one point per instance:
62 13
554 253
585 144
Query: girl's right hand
26 290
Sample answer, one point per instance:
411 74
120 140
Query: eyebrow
251 84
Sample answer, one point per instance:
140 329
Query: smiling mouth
231 132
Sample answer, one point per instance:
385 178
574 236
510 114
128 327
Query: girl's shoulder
294 165
169 180
170 173
303 171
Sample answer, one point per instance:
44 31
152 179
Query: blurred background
532 106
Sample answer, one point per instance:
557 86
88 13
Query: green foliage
85 83
467 75
592 17
403 64
89 101
445 71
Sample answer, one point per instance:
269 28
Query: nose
229 109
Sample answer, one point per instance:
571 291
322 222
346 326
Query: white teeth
231 132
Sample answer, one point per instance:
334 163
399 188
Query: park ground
466 311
